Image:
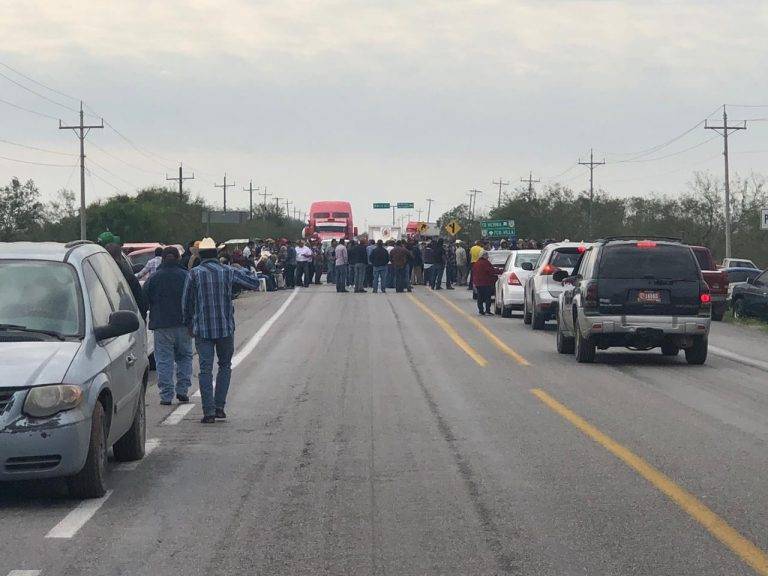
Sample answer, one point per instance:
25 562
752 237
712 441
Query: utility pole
250 190
180 179
500 183
264 196
277 204
591 165
429 207
473 202
419 211
723 131
81 131
224 186
393 214
287 208
530 181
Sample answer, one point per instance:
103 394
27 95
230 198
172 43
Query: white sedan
509 286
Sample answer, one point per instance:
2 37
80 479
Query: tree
21 211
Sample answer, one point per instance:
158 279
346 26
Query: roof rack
639 237
76 243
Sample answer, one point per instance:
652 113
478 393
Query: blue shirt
207 301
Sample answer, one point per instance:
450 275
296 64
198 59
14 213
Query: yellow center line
715 525
458 340
498 342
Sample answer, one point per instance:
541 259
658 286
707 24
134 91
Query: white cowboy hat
207 244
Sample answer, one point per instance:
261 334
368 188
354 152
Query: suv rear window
565 257
663 261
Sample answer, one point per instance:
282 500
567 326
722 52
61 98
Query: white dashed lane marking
78 517
24 573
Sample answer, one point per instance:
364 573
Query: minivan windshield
40 295
662 261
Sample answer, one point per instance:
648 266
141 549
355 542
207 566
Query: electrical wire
44 97
28 110
670 155
12 69
36 163
124 161
108 171
36 148
91 174
680 169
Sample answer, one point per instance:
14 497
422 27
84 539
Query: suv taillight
513 280
705 300
590 295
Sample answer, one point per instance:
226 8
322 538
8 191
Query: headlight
45 401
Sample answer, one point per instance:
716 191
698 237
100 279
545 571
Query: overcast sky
382 101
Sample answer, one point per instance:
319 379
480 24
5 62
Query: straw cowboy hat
207 244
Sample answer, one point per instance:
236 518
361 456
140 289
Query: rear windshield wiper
20 328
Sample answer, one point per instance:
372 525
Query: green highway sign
498 232
491 224
405 205
384 205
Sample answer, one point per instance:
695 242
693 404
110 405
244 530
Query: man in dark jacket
484 278
400 257
173 344
438 259
379 260
358 255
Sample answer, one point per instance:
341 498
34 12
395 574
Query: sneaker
220 414
482 313
182 398
208 420
166 402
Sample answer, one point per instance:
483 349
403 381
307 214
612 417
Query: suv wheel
697 354
90 482
537 318
526 314
585 347
131 446
670 349
565 344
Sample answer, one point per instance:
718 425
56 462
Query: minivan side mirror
559 275
527 266
120 323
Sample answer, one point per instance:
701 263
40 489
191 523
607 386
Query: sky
370 101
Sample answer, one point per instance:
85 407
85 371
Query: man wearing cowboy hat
209 315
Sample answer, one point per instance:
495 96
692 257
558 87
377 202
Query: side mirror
528 266
559 275
120 323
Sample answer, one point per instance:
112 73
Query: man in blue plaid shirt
209 316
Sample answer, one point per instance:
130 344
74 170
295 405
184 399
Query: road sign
381 205
405 205
497 228
498 233
764 219
489 224
423 227
453 227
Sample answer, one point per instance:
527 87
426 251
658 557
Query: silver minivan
73 365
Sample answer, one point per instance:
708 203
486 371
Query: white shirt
303 254
246 252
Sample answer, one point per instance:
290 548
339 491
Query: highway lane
388 434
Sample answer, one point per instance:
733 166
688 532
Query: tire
496 308
152 362
697 354
131 446
537 320
585 347
90 482
526 315
670 349
565 344
506 312
718 313
738 309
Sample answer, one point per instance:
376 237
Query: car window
100 305
662 261
117 288
40 295
586 264
565 257
737 276
520 259
704 257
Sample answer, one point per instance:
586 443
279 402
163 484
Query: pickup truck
716 279
738 263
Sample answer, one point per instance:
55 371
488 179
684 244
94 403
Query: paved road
404 435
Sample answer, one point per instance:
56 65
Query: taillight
548 270
590 295
513 280
705 298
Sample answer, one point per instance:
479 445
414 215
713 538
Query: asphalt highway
400 434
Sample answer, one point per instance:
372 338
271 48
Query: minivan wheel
697 354
90 482
131 446
585 347
565 344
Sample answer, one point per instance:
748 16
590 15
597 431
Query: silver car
73 365
541 292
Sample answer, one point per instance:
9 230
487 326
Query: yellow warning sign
423 227
453 227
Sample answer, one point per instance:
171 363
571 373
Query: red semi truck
330 219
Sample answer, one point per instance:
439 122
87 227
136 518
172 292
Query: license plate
649 297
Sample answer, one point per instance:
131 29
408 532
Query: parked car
638 293
131 247
73 365
751 297
540 291
739 276
716 279
139 258
738 263
509 286
497 258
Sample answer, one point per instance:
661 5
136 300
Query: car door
132 346
758 295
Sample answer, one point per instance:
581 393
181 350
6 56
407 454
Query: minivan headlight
45 401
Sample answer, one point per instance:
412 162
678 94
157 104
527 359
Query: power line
42 114
36 148
530 181
683 151
250 190
123 180
139 168
38 82
37 163
91 174
43 96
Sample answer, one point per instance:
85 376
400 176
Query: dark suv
636 293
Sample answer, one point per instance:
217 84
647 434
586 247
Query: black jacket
380 256
163 292
358 254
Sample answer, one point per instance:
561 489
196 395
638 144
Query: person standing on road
429 262
379 260
317 261
152 265
117 255
330 263
210 317
369 264
289 266
474 256
438 259
417 264
461 263
450 266
303 261
342 259
359 257
173 345
400 258
484 277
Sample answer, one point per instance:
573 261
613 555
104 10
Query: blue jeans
380 277
331 274
341 277
400 283
223 348
437 276
360 276
173 345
